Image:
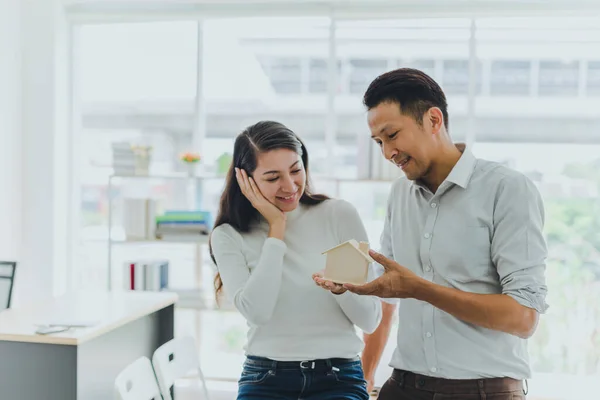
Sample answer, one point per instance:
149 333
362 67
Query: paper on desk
74 323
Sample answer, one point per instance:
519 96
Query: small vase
191 169
141 164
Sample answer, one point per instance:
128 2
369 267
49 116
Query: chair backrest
7 278
175 360
137 382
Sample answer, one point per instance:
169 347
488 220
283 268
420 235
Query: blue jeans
334 378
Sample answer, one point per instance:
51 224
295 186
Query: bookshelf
189 298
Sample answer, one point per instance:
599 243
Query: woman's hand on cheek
268 210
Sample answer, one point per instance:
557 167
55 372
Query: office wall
33 129
10 129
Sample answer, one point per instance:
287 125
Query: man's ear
435 118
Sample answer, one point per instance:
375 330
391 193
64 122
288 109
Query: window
559 78
427 66
285 74
510 78
138 61
456 77
135 80
318 74
363 71
593 78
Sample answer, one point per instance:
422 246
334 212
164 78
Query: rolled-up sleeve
519 249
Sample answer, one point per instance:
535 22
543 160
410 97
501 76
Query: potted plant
190 159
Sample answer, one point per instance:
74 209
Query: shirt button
428 334
433 369
427 268
433 205
427 235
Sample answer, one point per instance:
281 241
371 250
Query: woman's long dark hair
234 208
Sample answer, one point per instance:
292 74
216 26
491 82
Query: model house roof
353 244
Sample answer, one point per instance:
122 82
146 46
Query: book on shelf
148 275
139 216
142 221
129 159
123 159
174 224
188 215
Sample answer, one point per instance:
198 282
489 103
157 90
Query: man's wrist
422 289
339 293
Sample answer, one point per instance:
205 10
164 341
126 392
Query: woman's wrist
277 229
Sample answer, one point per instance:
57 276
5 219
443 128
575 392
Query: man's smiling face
403 141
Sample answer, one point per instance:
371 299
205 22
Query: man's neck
442 166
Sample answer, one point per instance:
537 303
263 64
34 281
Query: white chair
175 360
137 382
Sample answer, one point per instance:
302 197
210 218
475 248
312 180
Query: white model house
348 262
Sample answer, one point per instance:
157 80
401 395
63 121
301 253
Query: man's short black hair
413 90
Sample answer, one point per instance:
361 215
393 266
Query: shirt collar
463 170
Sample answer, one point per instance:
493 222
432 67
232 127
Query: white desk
81 363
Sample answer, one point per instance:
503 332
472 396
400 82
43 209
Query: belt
305 364
442 385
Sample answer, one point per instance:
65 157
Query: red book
132 276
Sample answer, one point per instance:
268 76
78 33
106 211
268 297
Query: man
462 247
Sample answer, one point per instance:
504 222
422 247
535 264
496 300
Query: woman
267 244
